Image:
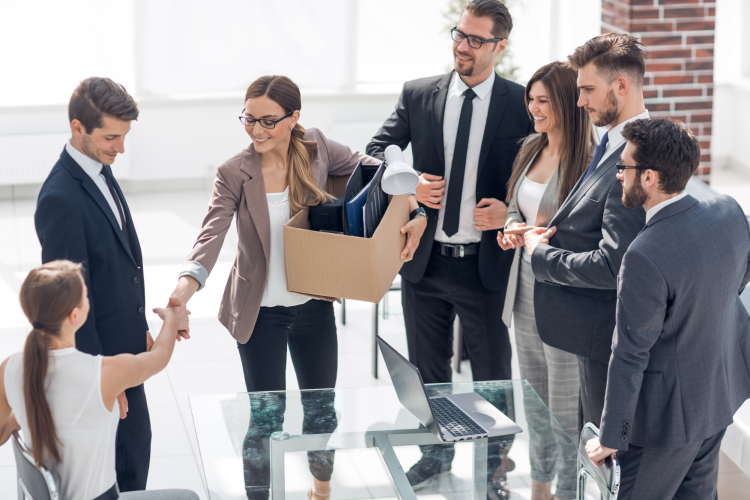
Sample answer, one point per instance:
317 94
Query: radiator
28 159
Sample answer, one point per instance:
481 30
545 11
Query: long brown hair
303 190
48 295
577 132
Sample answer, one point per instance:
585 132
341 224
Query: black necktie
458 167
111 185
597 157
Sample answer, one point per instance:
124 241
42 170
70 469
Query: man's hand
414 230
508 241
490 214
536 237
123 401
430 190
598 452
149 341
184 329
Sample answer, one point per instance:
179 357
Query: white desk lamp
399 177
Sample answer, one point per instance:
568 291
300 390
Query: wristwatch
418 212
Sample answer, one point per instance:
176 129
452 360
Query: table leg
277 470
396 474
480 469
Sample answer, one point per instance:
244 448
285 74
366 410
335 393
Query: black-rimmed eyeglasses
621 167
249 121
474 41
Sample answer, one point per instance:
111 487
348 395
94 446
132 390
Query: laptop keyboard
453 419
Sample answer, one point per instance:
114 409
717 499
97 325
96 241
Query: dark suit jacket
574 297
74 222
419 119
679 366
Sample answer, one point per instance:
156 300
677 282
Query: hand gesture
430 190
414 230
538 236
184 331
508 241
178 315
598 452
490 214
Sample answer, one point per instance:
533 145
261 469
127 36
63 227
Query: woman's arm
127 370
8 422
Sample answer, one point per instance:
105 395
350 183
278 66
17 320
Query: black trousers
133 443
452 286
309 331
593 376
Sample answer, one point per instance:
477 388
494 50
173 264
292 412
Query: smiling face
598 97
266 139
104 143
541 110
471 62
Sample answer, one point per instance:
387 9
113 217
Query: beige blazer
547 209
239 189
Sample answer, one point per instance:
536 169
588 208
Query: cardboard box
330 266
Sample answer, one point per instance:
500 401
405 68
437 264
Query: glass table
253 443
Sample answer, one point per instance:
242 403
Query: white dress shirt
480 107
615 136
94 170
653 210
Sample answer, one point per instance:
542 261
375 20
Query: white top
84 426
653 210
528 199
94 170
615 138
275 293
480 107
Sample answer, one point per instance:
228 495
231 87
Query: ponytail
48 296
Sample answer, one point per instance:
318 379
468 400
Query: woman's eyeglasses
621 167
249 121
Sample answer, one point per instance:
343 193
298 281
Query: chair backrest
33 483
606 477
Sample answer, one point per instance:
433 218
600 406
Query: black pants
133 443
593 376
452 286
309 330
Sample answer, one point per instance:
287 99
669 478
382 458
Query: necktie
111 185
597 157
458 167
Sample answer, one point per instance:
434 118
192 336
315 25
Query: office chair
606 478
33 483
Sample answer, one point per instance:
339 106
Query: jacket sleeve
59 227
341 160
746 278
395 130
641 309
512 213
597 268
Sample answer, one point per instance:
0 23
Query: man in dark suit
465 130
82 216
680 353
576 260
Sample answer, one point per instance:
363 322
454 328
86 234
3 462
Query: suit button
135 279
140 309
627 423
624 438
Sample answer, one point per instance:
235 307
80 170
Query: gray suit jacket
575 294
679 366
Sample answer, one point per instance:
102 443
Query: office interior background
188 63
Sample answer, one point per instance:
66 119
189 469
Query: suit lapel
581 188
255 200
129 225
494 114
93 190
439 96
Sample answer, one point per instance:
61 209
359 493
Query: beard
468 70
608 115
635 196
88 147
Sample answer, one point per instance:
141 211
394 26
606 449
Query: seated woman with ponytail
65 401
282 171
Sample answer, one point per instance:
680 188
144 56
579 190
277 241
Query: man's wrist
417 212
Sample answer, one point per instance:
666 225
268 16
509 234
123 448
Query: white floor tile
169 434
206 377
175 472
159 391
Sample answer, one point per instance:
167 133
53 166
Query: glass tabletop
364 440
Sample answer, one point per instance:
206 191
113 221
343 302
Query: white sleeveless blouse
84 426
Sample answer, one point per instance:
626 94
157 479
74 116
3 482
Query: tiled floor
208 364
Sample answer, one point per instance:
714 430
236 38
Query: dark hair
614 55
48 295
495 10
667 146
96 97
303 189
577 133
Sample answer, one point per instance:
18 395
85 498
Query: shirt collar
615 133
653 210
482 90
92 167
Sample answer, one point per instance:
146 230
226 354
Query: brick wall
678 37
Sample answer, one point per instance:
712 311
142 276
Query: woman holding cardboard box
284 170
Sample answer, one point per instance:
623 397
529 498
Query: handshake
175 315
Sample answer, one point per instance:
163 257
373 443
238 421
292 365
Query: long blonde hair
303 190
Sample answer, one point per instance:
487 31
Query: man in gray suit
678 370
576 260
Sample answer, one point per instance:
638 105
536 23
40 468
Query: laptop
452 418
